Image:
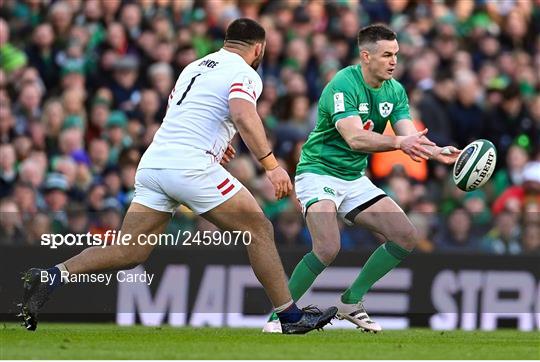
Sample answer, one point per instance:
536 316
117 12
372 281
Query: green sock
384 259
303 276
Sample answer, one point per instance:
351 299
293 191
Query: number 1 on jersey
187 89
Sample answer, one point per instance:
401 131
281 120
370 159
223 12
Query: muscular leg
322 224
384 218
242 213
139 220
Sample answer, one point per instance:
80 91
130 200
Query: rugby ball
475 165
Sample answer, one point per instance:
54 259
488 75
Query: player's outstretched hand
447 155
281 182
414 145
229 154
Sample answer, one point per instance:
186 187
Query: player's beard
257 61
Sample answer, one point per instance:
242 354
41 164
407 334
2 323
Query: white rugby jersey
197 126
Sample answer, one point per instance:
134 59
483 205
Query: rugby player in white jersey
213 98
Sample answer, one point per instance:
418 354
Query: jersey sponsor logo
339 102
363 108
329 190
385 108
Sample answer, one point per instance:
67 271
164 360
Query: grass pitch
107 341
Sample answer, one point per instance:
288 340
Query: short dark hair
512 91
374 33
443 75
245 30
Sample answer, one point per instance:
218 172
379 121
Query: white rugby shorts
200 190
350 197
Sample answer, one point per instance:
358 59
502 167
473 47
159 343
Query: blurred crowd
84 87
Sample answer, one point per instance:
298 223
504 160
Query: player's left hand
447 155
229 154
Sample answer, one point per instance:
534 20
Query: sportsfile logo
117 237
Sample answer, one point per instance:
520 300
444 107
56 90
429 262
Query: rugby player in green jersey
330 182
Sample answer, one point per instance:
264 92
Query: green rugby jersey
326 152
